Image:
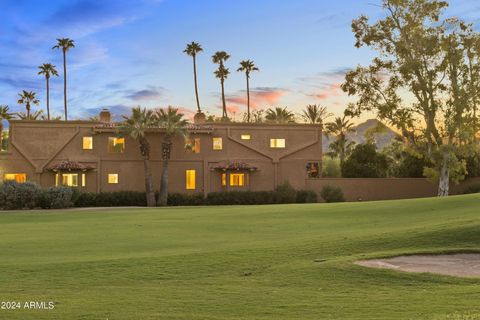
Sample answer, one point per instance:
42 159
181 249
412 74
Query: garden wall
369 189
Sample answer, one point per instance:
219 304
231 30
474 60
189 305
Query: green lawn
254 262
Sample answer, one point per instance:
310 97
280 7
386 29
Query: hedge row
28 195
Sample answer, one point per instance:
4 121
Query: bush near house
56 198
14 195
332 194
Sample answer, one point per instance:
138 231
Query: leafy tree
65 44
5 114
136 127
340 127
279 115
314 114
248 67
192 50
48 70
365 162
222 73
28 98
421 81
171 122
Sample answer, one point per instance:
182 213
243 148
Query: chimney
105 116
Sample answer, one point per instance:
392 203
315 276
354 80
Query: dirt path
459 265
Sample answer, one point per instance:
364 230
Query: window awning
68 165
234 166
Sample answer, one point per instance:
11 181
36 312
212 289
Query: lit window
217 143
224 179
313 170
84 180
277 143
68 179
193 145
112 178
19 177
87 143
116 145
237 179
245 137
190 179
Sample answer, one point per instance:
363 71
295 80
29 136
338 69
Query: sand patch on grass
459 265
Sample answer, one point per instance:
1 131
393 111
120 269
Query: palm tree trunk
1 135
163 196
28 110
248 99
195 80
65 83
48 99
148 183
224 111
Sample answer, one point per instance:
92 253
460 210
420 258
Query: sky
130 52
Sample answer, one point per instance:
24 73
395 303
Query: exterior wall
36 145
370 189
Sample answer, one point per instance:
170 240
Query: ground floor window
19 177
237 179
112 178
313 170
70 179
190 179
224 179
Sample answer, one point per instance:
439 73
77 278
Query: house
217 156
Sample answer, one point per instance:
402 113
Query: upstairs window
19 177
277 143
245 137
313 170
87 143
190 179
217 143
193 145
116 145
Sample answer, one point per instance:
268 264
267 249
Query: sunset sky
130 52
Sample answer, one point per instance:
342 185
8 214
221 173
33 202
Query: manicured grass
254 262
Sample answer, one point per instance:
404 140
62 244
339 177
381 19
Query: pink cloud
258 97
331 91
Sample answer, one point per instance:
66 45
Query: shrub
180 199
474 188
57 198
85 199
365 162
331 168
306 196
285 193
14 195
111 199
332 194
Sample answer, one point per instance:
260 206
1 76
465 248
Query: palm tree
4 115
247 66
315 114
48 70
222 73
27 98
65 44
192 50
279 115
136 127
339 127
37 115
173 124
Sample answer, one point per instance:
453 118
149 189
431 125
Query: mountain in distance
382 139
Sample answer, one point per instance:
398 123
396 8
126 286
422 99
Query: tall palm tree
192 50
279 115
315 114
65 44
247 66
4 115
339 127
222 73
28 98
136 127
48 70
174 125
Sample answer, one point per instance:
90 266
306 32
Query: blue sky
129 52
